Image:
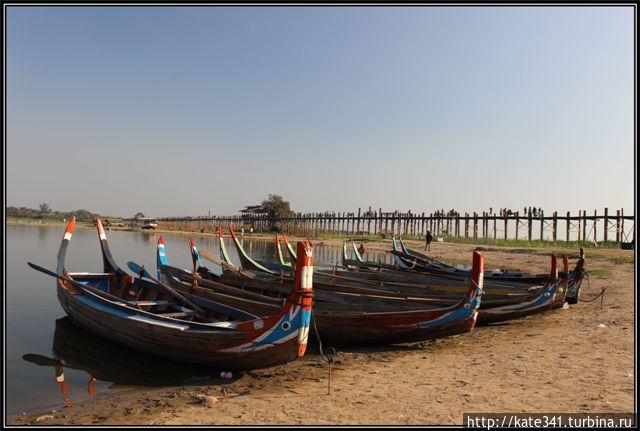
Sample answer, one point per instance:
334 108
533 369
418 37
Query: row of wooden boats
259 314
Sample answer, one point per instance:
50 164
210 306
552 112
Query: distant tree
139 215
275 206
45 211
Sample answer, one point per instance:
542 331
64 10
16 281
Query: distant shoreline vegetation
48 214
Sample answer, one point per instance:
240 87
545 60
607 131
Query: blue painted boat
147 316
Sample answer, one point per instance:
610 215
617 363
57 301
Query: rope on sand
596 296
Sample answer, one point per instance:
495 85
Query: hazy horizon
178 111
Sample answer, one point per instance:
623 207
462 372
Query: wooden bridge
585 226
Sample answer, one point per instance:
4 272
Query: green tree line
46 212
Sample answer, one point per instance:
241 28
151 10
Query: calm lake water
41 343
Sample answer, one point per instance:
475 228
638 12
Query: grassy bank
349 236
531 244
490 241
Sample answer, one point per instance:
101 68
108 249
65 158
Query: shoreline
371 244
561 360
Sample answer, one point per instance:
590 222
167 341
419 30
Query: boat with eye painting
148 315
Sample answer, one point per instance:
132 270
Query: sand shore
561 361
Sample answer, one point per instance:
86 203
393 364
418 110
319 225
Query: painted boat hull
102 305
173 344
366 316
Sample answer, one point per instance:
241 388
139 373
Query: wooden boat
267 267
391 278
290 250
154 318
391 274
553 295
348 316
420 262
414 262
359 262
280 255
447 290
575 280
500 308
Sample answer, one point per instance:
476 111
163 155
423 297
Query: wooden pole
617 225
517 223
495 226
466 225
555 226
622 238
393 223
475 225
606 224
541 225
386 225
484 224
407 221
568 225
506 219
448 225
579 226
529 227
595 225
584 225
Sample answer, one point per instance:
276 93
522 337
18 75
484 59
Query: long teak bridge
585 226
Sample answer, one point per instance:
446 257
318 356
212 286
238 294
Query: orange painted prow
71 226
477 270
303 285
90 388
232 232
99 226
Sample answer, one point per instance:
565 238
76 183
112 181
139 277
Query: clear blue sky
178 111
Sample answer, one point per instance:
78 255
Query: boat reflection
74 348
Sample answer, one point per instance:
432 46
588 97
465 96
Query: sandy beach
560 361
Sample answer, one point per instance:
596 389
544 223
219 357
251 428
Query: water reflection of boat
77 349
